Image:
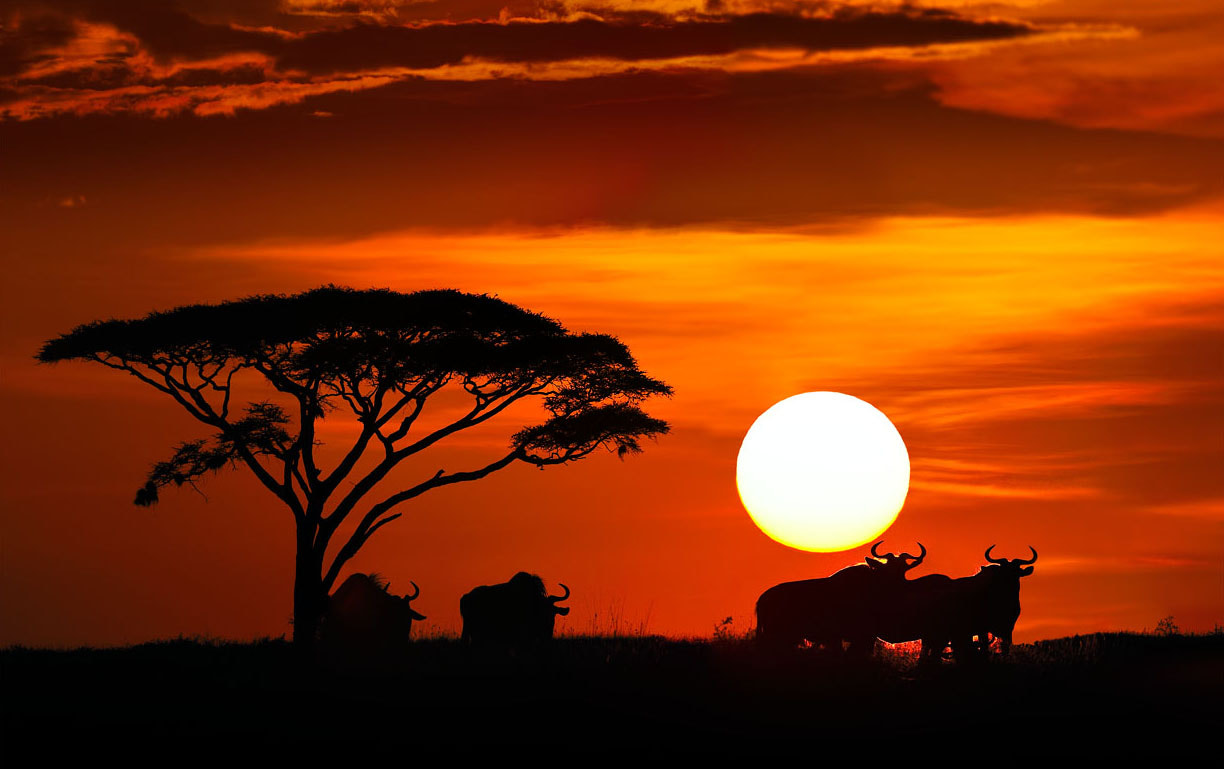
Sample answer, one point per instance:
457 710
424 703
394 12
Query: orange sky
1000 224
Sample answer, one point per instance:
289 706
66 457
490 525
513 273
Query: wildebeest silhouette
999 607
363 618
512 614
942 611
846 606
934 609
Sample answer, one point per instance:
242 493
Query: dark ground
593 699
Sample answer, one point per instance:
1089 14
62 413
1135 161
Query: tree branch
473 417
373 520
225 402
370 423
470 419
125 366
567 456
417 395
306 432
283 491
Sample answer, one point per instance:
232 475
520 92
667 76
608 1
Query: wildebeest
363 618
999 608
934 610
939 610
846 606
515 613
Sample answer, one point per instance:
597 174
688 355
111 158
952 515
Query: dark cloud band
172 34
373 46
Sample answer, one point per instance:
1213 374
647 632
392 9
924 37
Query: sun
823 471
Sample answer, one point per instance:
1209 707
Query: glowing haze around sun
823 471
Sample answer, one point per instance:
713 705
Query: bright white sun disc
823 471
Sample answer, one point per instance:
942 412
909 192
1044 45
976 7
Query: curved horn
873 549
999 561
556 598
1022 562
916 559
414 587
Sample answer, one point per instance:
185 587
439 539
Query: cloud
375 46
429 10
70 58
828 146
1162 76
1077 62
949 406
976 488
213 92
167 32
28 40
1211 509
1036 479
1126 412
1119 564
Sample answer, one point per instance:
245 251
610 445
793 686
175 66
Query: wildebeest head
555 599
407 600
1017 567
534 595
363 615
893 565
514 612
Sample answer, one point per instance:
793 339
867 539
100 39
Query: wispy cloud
1005 491
947 407
1210 509
1119 564
1161 77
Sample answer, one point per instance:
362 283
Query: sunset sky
1002 224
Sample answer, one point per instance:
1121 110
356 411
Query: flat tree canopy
376 355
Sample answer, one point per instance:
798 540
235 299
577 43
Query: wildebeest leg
965 650
1005 641
984 642
829 646
932 651
773 643
860 648
832 647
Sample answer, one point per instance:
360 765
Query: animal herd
364 617
874 600
842 613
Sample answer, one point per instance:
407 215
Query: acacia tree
375 356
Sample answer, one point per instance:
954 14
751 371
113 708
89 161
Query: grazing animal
940 611
363 618
847 606
936 610
1000 607
511 614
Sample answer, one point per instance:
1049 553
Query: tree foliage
378 355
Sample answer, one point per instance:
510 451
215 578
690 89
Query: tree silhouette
378 355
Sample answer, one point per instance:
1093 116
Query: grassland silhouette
627 697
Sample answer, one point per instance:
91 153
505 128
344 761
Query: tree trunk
308 598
